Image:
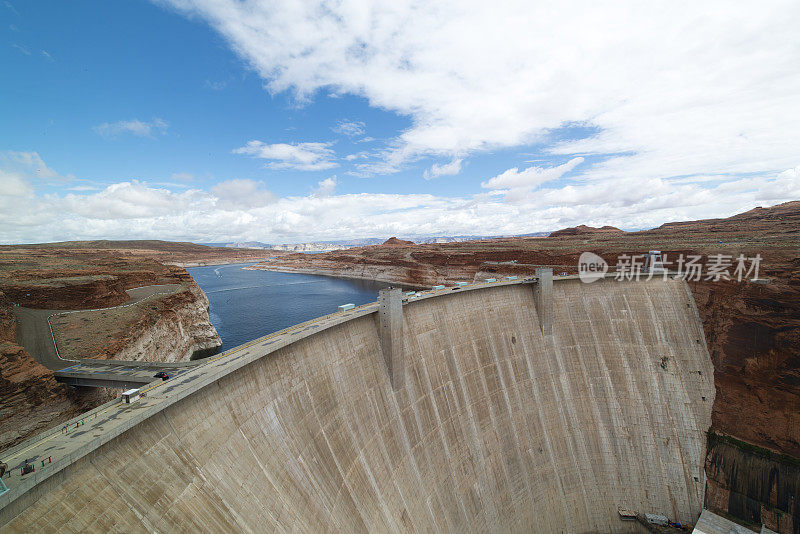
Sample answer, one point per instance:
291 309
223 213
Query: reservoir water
246 305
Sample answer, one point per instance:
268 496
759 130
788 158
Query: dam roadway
35 333
497 425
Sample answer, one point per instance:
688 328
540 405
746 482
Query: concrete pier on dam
504 406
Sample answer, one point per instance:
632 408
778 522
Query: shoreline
201 263
319 272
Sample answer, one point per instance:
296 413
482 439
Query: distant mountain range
340 244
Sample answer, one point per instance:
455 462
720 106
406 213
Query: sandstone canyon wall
175 328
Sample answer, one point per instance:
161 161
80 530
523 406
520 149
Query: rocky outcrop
30 398
174 328
85 280
178 330
59 291
418 265
95 274
753 331
778 219
413 276
586 230
306 247
753 484
394 242
74 276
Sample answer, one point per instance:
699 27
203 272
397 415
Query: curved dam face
496 428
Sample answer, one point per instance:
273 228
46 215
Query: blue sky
91 63
216 120
110 62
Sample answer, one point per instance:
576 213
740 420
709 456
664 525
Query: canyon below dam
664 396
519 411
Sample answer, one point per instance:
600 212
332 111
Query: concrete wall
494 430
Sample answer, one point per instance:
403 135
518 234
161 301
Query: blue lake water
246 305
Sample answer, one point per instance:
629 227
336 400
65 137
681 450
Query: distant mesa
586 230
778 219
394 242
776 211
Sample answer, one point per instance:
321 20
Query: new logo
591 267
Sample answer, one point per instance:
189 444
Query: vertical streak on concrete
390 311
544 299
306 440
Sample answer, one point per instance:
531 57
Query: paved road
33 329
119 374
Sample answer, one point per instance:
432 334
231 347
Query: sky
294 121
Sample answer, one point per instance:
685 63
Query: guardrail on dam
495 426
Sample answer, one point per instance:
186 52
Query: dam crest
501 420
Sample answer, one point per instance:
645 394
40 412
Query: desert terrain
90 275
752 329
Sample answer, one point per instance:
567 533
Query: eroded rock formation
582 229
753 484
176 330
94 275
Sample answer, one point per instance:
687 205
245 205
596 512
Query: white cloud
673 88
299 156
21 49
80 188
243 210
129 200
26 163
350 128
10 6
785 185
454 167
241 194
14 185
519 184
216 86
182 176
325 187
111 130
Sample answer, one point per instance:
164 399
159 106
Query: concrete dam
541 405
